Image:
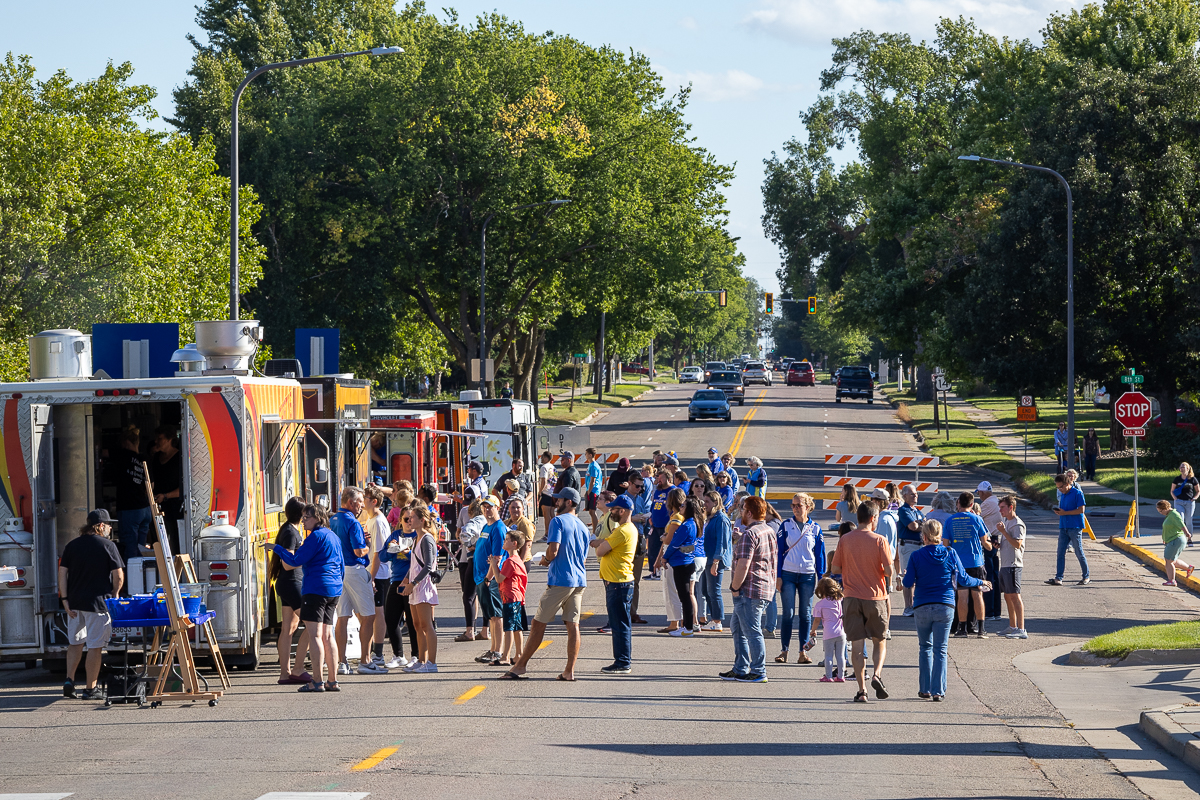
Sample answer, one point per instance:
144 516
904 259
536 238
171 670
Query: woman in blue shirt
678 554
321 557
718 544
930 573
757 479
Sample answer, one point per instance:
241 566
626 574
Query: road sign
1134 432
941 384
1027 414
1133 410
1133 379
579 355
1026 400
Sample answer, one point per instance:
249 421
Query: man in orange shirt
864 560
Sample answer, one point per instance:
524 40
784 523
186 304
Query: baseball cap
624 463
475 465
621 501
568 493
471 492
568 454
491 500
672 460
98 516
881 494
712 449
984 486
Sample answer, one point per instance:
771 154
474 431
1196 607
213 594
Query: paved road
669 730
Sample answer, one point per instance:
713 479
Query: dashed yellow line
740 434
468 694
545 644
375 759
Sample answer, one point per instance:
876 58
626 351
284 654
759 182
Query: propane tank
18 609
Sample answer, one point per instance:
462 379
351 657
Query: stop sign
1133 410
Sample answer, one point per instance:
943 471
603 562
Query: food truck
335 406
508 432
241 457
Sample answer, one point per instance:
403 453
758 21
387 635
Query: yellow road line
585 614
545 644
468 694
375 759
740 434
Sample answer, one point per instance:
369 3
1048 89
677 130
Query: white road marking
312 796
36 796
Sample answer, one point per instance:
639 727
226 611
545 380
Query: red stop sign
1133 410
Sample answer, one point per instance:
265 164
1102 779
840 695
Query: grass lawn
1172 636
562 415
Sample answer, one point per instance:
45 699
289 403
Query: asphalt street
669 730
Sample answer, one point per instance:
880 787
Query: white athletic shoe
415 666
396 662
714 626
343 668
426 668
1017 633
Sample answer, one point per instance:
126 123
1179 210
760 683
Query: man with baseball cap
715 464
888 526
89 571
989 510
615 552
569 477
489 557
475 478
566 580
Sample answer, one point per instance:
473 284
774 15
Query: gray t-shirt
1009 555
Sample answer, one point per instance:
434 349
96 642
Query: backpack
434 575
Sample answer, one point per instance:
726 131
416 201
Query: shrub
1166 447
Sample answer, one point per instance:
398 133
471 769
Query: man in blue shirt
1070 510
592 481
358 590
660 515
727 462
966 533
568 543
714 462
489 557
909 532
640 518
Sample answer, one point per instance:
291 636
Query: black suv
729 382
854 382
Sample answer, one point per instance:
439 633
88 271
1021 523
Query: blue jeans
795 585
933 634
749 649
618 597
134 527
771 622
1070 537
710 588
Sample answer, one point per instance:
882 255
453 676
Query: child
827 614
1174 533
513 579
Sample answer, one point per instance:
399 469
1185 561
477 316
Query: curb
1173 737
1153 560
624 403
1136 658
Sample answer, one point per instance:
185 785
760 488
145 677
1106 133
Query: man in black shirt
166 475
133 506
89 570
524 481
569 477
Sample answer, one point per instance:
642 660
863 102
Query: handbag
434 575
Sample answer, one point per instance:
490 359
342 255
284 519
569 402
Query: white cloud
818 21
733 84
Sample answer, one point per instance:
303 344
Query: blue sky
753 65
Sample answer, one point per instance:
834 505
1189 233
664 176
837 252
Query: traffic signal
812 305
770 303
721 298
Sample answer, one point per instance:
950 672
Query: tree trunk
1116 431
1166 406
924 385
539 359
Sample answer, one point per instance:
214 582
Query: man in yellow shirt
616 569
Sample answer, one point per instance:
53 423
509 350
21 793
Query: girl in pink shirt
827 614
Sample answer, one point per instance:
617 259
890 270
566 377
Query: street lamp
1070 295
483 286
233 154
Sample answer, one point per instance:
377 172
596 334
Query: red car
801 373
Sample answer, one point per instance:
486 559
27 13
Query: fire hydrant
550 402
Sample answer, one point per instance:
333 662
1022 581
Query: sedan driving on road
756 372
691 375
801 373
709 403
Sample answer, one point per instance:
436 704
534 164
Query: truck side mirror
320 470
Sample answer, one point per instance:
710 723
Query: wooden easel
179 649
187 574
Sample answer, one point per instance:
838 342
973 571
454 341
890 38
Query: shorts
700 564
974 572
318 608
907 548
490 606
288 593
568 599
1009 580
90 628
381 590
546 500
589 503
358 593
864 619
514 616
1174 548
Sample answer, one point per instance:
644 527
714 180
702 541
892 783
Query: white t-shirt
549 475
379 530
990 511
1009 555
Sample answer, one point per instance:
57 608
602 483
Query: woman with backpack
420 590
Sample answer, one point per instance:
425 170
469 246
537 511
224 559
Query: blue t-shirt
963 531
572 537
1071 499
321 557
660 515
479 561
887 528
716 466
350 534
494 533
727 496
684 535
398 564
594 476
733 478
909 514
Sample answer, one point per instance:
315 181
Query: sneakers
751 677
908 612
839 680
714 626
412 667
1016 633
980 633
887 635
616 669
731 675
97 693
1170 583
995 618
1054 582
69 688
377 658
825 679
768 634
681 632
487 657
425 668
696 629
371 668
396 662
1084 582
343 668
604 629
961 631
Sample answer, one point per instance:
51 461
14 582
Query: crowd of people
695 534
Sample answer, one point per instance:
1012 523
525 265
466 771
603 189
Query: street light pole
483 287
1070 294
233 154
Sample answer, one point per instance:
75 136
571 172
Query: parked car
730 383
691 375
801 373
713 366
1185 418
709 403
756 372
854 382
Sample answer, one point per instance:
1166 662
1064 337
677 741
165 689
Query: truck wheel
247 661
837 398
870 402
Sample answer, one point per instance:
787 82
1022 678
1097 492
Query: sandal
465 637
311 687
1190 570
512 676
782 658
332 686
861 697
666 630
